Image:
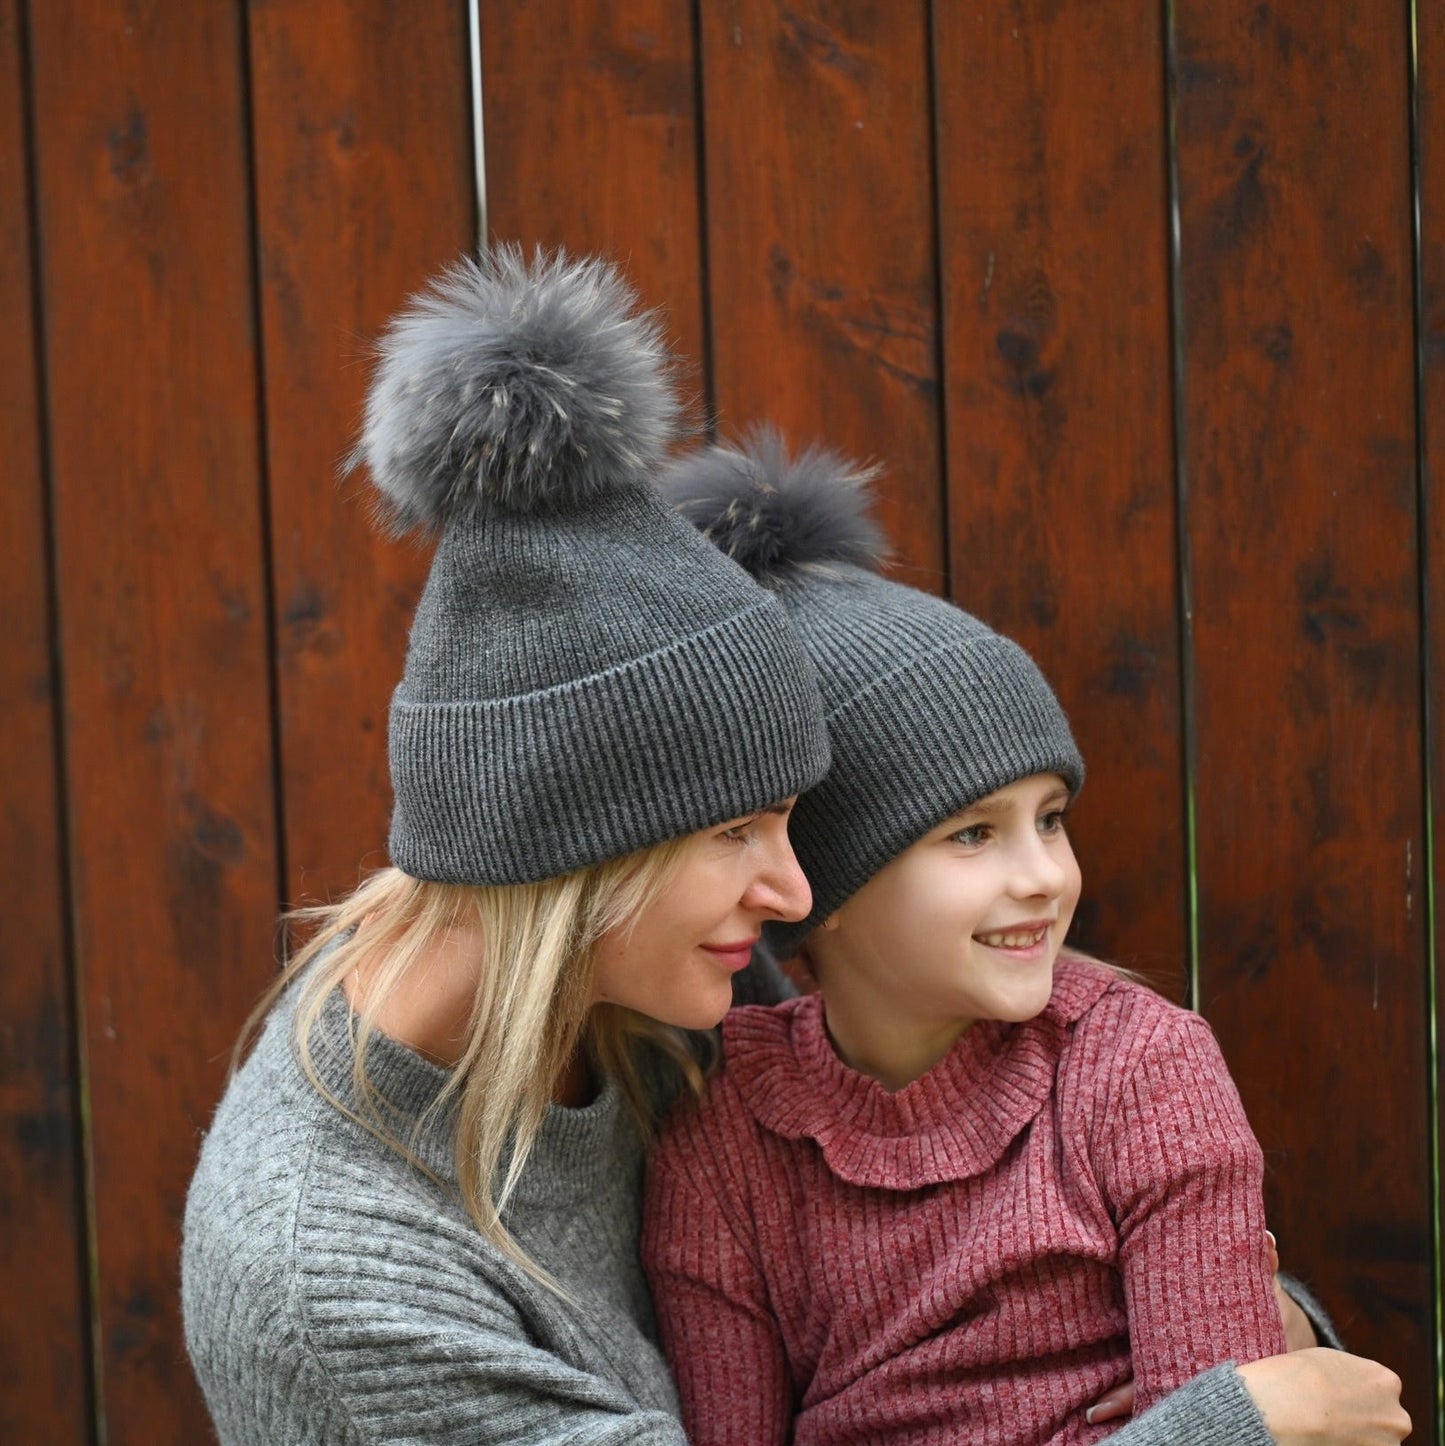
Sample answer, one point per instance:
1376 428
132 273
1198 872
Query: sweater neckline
576 1149
954 1122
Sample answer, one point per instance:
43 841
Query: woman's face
676 961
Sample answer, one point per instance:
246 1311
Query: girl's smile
1022 939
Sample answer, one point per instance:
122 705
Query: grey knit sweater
333 1294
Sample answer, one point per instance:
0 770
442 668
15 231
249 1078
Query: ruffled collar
954 1122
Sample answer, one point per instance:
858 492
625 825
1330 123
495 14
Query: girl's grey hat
586 676
928 709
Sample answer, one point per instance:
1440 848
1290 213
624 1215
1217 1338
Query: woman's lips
736 956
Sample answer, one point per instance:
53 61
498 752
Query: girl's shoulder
759 1070
1114 1029
1090 993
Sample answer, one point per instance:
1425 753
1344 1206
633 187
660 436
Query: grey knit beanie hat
586 676
928 709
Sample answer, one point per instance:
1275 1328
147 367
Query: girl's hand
1112 1404
1320 1397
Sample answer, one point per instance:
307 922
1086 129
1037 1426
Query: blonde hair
530 1014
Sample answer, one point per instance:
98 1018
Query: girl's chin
1020 1008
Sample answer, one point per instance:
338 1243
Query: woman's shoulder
240 1305
281 1172
247 1176
301 1230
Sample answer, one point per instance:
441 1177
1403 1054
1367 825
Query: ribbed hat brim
529 787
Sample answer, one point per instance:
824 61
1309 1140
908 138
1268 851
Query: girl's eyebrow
989 807
983 808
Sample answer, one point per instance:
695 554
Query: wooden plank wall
1131 304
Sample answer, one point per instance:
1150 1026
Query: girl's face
676 961
964 925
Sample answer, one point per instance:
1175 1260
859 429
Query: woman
416 1214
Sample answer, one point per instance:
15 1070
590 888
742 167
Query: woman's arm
1313 1397
1326 1398
433 1370
1306 1322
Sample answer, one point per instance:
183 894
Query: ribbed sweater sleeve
417 1347
1182 1174
1214 1409
714 1319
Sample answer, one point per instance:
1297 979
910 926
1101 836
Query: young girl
972 1182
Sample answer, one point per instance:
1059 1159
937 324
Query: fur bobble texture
776 515
533 386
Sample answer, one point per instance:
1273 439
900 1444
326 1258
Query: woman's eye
972 836
738 832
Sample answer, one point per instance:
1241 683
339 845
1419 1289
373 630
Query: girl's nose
779 887
1039 871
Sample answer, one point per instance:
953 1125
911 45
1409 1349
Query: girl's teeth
1013 941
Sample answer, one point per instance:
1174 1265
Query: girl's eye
738 832
972 836
1052 822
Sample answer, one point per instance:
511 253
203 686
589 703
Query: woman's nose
780 887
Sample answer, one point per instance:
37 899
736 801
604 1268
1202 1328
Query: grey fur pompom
532 385
774 514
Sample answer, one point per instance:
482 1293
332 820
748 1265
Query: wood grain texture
142 183
1299 445
363 162
822 284
1053 206
937 235
591 138
1430 340
44 1336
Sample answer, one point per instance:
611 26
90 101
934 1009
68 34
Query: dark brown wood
823 291
1053 207
364 189
936 235
142 181
591 142
44 1367
1299 446
1430 152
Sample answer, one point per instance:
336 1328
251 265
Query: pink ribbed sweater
972 1259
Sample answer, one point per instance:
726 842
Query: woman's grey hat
928 709
586 676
